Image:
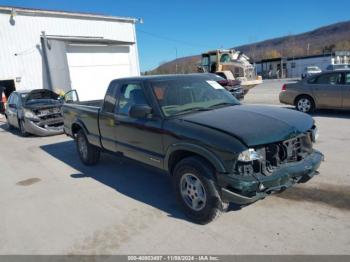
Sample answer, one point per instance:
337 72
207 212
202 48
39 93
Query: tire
22 129
196 190
89 154
305 104
8 125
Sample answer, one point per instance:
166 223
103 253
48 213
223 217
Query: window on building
293 65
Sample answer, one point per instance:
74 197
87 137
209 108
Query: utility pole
308 49
176 60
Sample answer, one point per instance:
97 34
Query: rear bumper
44 128
241 190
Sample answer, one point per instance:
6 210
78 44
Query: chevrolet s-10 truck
216 150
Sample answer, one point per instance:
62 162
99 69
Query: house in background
292 67
64 50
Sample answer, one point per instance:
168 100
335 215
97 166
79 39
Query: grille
277 154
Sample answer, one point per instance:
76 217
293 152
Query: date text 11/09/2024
173 258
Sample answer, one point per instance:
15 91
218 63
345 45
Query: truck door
346 91
107 122
328 90
137 138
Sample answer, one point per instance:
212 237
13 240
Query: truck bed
86 112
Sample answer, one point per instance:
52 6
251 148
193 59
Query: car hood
254 125
42 104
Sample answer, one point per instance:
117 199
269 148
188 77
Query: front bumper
245 190
238 94
44 128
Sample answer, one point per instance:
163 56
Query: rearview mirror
140 111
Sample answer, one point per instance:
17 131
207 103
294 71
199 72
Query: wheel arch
177 152
76 126
305 95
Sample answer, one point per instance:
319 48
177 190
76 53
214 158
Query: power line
172 39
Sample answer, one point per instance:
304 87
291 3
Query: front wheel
8 125
89 154
22 129
305 104
196 191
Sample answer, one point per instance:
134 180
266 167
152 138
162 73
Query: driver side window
130 94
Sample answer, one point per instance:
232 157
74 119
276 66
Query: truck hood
254 125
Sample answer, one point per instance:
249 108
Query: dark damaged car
215 149
36 112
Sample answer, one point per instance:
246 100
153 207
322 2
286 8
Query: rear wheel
88 153
196 190
22 129
305 104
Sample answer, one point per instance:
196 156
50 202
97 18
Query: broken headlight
249 155
30 115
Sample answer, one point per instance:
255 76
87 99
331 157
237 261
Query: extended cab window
110 99
130 94
329 79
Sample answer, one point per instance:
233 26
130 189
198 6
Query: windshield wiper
192 110
222 104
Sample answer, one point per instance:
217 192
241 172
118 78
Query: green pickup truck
216 150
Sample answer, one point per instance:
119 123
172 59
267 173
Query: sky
180 28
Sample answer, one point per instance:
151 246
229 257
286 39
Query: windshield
179 96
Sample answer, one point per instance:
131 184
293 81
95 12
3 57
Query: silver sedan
330 90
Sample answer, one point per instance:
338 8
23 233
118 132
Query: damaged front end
271 168
43 121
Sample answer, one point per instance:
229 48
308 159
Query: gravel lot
51 204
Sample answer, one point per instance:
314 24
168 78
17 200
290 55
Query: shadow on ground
337 196
128 177
333 113
345 114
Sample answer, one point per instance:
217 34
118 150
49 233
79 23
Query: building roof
57 13
294 58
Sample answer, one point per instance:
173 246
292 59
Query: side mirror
140 111
13 106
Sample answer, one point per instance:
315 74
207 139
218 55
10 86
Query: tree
272 53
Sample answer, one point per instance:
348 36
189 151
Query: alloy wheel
304 105
193 191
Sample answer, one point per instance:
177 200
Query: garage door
91 68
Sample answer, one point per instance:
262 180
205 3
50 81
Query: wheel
305 104
196 191
8 125
88 153
22 129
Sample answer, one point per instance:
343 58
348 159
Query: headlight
30 114
249 155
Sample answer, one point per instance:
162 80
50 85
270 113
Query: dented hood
254 125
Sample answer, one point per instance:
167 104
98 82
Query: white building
63 51
293 67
